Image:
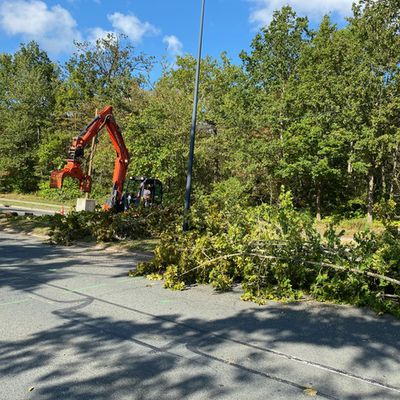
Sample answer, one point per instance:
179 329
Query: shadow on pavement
124 356
27 265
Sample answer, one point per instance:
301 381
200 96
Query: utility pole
193 126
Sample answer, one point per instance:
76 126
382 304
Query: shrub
69 191
104 226
276 253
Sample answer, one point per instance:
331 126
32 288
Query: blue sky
155 27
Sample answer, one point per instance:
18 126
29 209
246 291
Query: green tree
275 53
105 71
159 133
108 71
314 145
269 68
374 87
27 104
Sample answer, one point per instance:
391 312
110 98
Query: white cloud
263 10
174 45
99 33
53 28
131 26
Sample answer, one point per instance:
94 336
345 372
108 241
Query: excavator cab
141 190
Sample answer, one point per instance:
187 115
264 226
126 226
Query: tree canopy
314 110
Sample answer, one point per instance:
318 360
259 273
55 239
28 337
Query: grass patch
33 202
144 245
25 224
32 206
140 245
34 198
350 226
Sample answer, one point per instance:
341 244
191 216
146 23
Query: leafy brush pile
104 226
276 253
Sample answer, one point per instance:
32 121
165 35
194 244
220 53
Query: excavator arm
73 167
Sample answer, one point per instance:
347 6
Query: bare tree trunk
383 174
370 196
394 173
318 203
349 165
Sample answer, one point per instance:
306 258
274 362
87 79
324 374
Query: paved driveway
74 326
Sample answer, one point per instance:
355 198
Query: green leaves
276 253
27 99
107 69
102 226
317 111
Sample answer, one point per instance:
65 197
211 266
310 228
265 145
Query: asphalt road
74 326
25 210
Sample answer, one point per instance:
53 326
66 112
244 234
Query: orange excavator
73 168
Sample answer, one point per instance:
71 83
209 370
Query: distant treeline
317 111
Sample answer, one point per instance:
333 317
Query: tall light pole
193 126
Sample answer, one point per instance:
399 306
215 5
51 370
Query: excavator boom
73 167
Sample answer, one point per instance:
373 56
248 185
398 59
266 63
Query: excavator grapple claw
56 179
